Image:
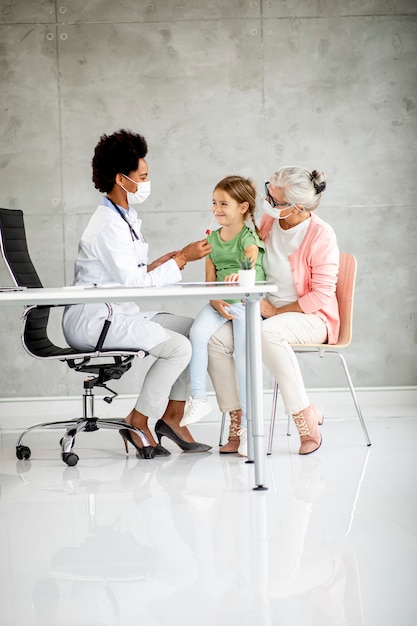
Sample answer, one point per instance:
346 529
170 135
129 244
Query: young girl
234 200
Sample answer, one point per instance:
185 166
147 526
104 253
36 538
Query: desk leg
255 388
249 410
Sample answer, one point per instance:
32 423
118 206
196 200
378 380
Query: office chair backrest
14 249
15 252
345 291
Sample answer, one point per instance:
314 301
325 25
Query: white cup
247 278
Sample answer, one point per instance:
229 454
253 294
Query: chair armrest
105 328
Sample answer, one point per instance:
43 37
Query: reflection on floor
184 540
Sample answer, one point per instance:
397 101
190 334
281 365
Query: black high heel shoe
163 430
146 452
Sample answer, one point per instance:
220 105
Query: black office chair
36 342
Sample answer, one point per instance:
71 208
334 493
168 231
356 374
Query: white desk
252 295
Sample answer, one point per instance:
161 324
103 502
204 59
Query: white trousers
168 376
277 334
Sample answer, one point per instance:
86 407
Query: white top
282 243
108 253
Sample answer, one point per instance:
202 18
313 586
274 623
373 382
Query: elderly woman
302 258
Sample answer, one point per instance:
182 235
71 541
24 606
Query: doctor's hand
192 252
162 259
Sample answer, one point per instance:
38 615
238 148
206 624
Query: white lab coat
108 253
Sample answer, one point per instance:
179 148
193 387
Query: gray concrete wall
217 87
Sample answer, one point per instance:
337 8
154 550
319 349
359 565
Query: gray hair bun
318 180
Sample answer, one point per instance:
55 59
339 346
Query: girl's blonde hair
241 190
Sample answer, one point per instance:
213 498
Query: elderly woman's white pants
277 333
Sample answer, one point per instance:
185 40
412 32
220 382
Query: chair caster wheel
70 458
23 452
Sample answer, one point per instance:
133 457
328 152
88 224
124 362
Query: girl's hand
222 307
231 278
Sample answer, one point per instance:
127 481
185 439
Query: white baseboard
20 413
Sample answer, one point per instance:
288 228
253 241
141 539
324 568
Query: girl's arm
252 252
210 271
221 306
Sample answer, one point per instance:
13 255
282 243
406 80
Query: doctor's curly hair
114 154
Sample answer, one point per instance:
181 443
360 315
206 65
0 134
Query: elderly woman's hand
267 309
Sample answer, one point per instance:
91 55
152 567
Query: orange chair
345 291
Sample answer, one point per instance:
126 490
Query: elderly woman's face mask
277 210
280 211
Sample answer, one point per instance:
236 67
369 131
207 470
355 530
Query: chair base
75 426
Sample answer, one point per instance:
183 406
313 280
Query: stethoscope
133 233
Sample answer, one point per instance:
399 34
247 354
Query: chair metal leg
354 396
352 391
222 429
272 421
51 425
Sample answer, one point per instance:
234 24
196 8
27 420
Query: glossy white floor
184 540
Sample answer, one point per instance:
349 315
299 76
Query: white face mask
276 213
141 194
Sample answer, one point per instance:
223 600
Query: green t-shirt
226 255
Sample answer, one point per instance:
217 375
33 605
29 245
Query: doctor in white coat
113 250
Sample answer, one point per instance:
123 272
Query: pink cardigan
315 267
